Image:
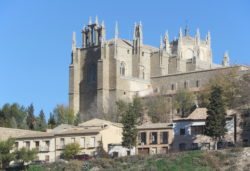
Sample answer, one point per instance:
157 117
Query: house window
37 144
153 137
92 142
122 69
186 84
82 142
142 138
16 145
164 137
182 146
27 145
62 142
182 131
47 158
196 130
197 83
73 140
47 144
195 146
128 51
173 86
142 53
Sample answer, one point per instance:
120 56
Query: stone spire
103 25
180 34
138 35
208 39
166 41
96 20
161 43
116 31
141 33
90 20
73 41
225 61
134 36
186 31
179 49
197 36
103 33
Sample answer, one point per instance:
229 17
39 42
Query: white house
189 131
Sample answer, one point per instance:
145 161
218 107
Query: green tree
30 120
5 152
11 112
71 150
232 86
184 101
25 155
159 108
63 115
137 105
51 121
216 115
138 108
122 107
129 127
41 124
100 151
77 119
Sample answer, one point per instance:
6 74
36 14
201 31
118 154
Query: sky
36 36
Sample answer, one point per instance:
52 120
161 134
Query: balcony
60 147
43 149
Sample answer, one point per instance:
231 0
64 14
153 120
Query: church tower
137 67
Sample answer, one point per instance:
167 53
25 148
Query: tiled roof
98 123
154 125
36 135
197 114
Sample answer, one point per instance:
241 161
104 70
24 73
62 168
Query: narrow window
182 146
197 83
153 137
164 137
172 86
122 69
185 84
142 53
182 131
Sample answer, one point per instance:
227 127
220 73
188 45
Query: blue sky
35 37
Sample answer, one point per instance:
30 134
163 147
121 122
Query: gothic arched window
122 69
92 73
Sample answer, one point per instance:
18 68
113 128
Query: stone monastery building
104 71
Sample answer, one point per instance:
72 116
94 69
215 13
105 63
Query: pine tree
216 122
41 124
30 120
129 128
51 121
77 119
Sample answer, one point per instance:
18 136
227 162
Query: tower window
172 86
197 83
186 84
122 69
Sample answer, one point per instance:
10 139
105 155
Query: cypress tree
216 115
129 127
30 120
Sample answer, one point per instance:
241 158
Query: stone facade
104 71
50 145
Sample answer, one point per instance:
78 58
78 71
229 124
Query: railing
59 147
44 149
